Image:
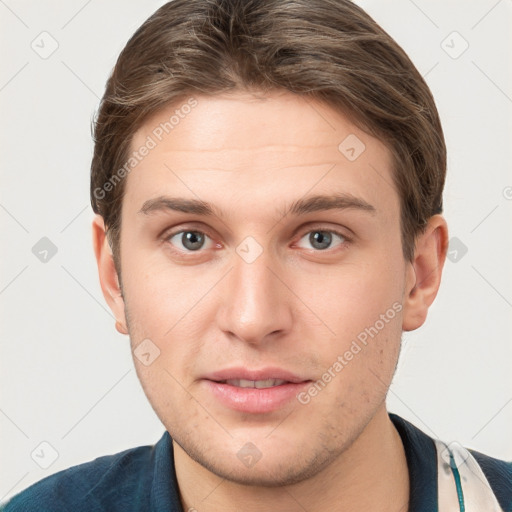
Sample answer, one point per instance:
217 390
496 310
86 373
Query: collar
421 455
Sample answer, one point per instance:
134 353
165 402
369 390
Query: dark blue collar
421 455
164 489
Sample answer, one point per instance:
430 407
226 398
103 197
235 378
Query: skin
295 307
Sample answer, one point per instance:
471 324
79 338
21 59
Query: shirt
143 479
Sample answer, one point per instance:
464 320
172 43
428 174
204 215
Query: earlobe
109 280
121 328
424 273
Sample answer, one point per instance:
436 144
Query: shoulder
424 471
112 482
499 475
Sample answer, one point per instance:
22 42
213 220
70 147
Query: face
290 281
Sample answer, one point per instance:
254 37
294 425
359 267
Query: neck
371 474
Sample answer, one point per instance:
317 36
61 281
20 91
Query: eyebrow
341 201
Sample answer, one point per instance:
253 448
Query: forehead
270 148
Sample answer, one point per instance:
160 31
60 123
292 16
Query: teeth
259 384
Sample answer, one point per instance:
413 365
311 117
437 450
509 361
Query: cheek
361 304
352 296
160 293
166 305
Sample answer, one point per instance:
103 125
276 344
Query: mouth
254 391
258 384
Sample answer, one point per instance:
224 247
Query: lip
254 400
261 374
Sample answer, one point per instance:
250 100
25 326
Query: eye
191 241
194 240
321 239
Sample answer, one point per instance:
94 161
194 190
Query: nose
255 305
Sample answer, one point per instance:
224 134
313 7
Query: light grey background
67 377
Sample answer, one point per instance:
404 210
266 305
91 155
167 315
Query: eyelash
346 240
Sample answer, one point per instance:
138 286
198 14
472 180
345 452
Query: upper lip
248 374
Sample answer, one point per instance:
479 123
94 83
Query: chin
273 468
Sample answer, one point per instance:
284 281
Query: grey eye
190 240
321 239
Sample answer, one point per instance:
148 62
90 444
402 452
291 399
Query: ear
109 279
423 274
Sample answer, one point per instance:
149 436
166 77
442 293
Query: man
267 179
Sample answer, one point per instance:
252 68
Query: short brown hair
328 50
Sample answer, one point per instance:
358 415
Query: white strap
465 487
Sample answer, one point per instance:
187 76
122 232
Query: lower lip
254 400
